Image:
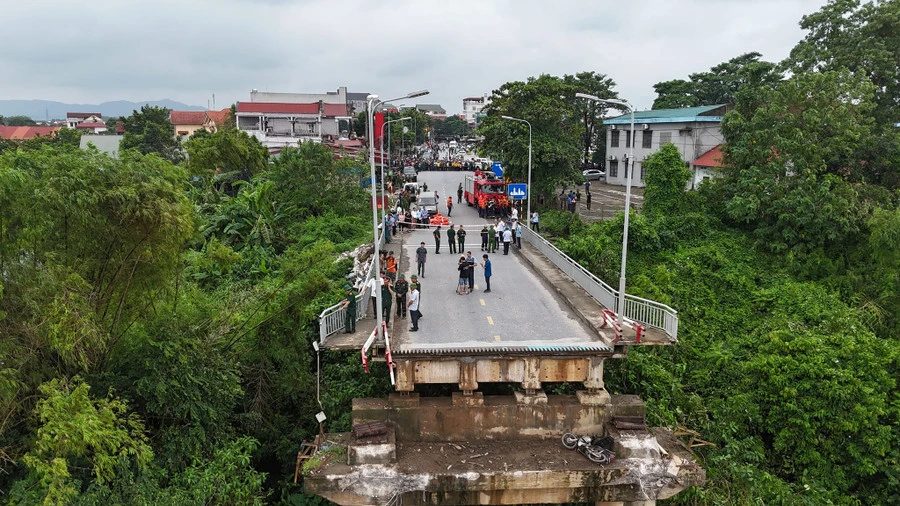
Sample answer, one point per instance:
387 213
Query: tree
718 86
664 193
452 126
360 125
788 160
556 135
17 121
862 38
97 435
227 151
309 182
592 83
149 131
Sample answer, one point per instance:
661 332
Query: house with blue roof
693 130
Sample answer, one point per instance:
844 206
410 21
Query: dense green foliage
149 131
556 143
17 121
156 324
453 126
720 85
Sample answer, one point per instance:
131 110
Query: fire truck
487 193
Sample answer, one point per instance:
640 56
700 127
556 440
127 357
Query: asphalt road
519 311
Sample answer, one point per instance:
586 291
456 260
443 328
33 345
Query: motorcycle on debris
598 451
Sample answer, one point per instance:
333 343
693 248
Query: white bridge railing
644 311
331 319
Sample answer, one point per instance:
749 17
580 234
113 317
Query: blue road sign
517 191
497 168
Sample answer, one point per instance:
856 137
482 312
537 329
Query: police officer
387 296
461 239
451 238
437 240
492 240
484 237
401 288
350 314
459 193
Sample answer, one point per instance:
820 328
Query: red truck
487 193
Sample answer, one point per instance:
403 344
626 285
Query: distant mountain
39 109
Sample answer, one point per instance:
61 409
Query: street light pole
370 108
528 212
620 302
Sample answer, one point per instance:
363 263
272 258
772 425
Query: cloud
108 50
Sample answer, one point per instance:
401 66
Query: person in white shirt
413 305
507 238
534 222
515 214
373 286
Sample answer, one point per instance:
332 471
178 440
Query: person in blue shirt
487 272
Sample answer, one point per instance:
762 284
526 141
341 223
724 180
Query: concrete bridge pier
596 394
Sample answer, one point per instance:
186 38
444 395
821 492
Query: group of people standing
466 270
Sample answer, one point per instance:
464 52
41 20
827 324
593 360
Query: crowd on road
403 215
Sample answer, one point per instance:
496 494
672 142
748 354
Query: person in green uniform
451 238
492 240
350 313
437 240
461 239
401 288
387 296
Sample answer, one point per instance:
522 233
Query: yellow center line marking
490 320
496 338
482 301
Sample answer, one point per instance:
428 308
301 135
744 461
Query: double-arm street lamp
528 212
372 103
629 169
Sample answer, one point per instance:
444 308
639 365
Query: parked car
428 200
593 174
409 173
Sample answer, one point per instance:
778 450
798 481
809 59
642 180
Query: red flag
379 124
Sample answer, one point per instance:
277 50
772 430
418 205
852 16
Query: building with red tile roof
74 118
94 127
279 124
186 123
19 133
335 111
706 167
217 119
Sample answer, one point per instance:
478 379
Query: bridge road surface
520 310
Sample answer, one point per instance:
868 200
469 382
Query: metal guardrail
647 312
331 319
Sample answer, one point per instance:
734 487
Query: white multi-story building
472 107
285 119
73 119
280 124
693 130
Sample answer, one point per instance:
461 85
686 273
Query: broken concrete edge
649 476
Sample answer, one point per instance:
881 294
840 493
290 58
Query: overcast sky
186 50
